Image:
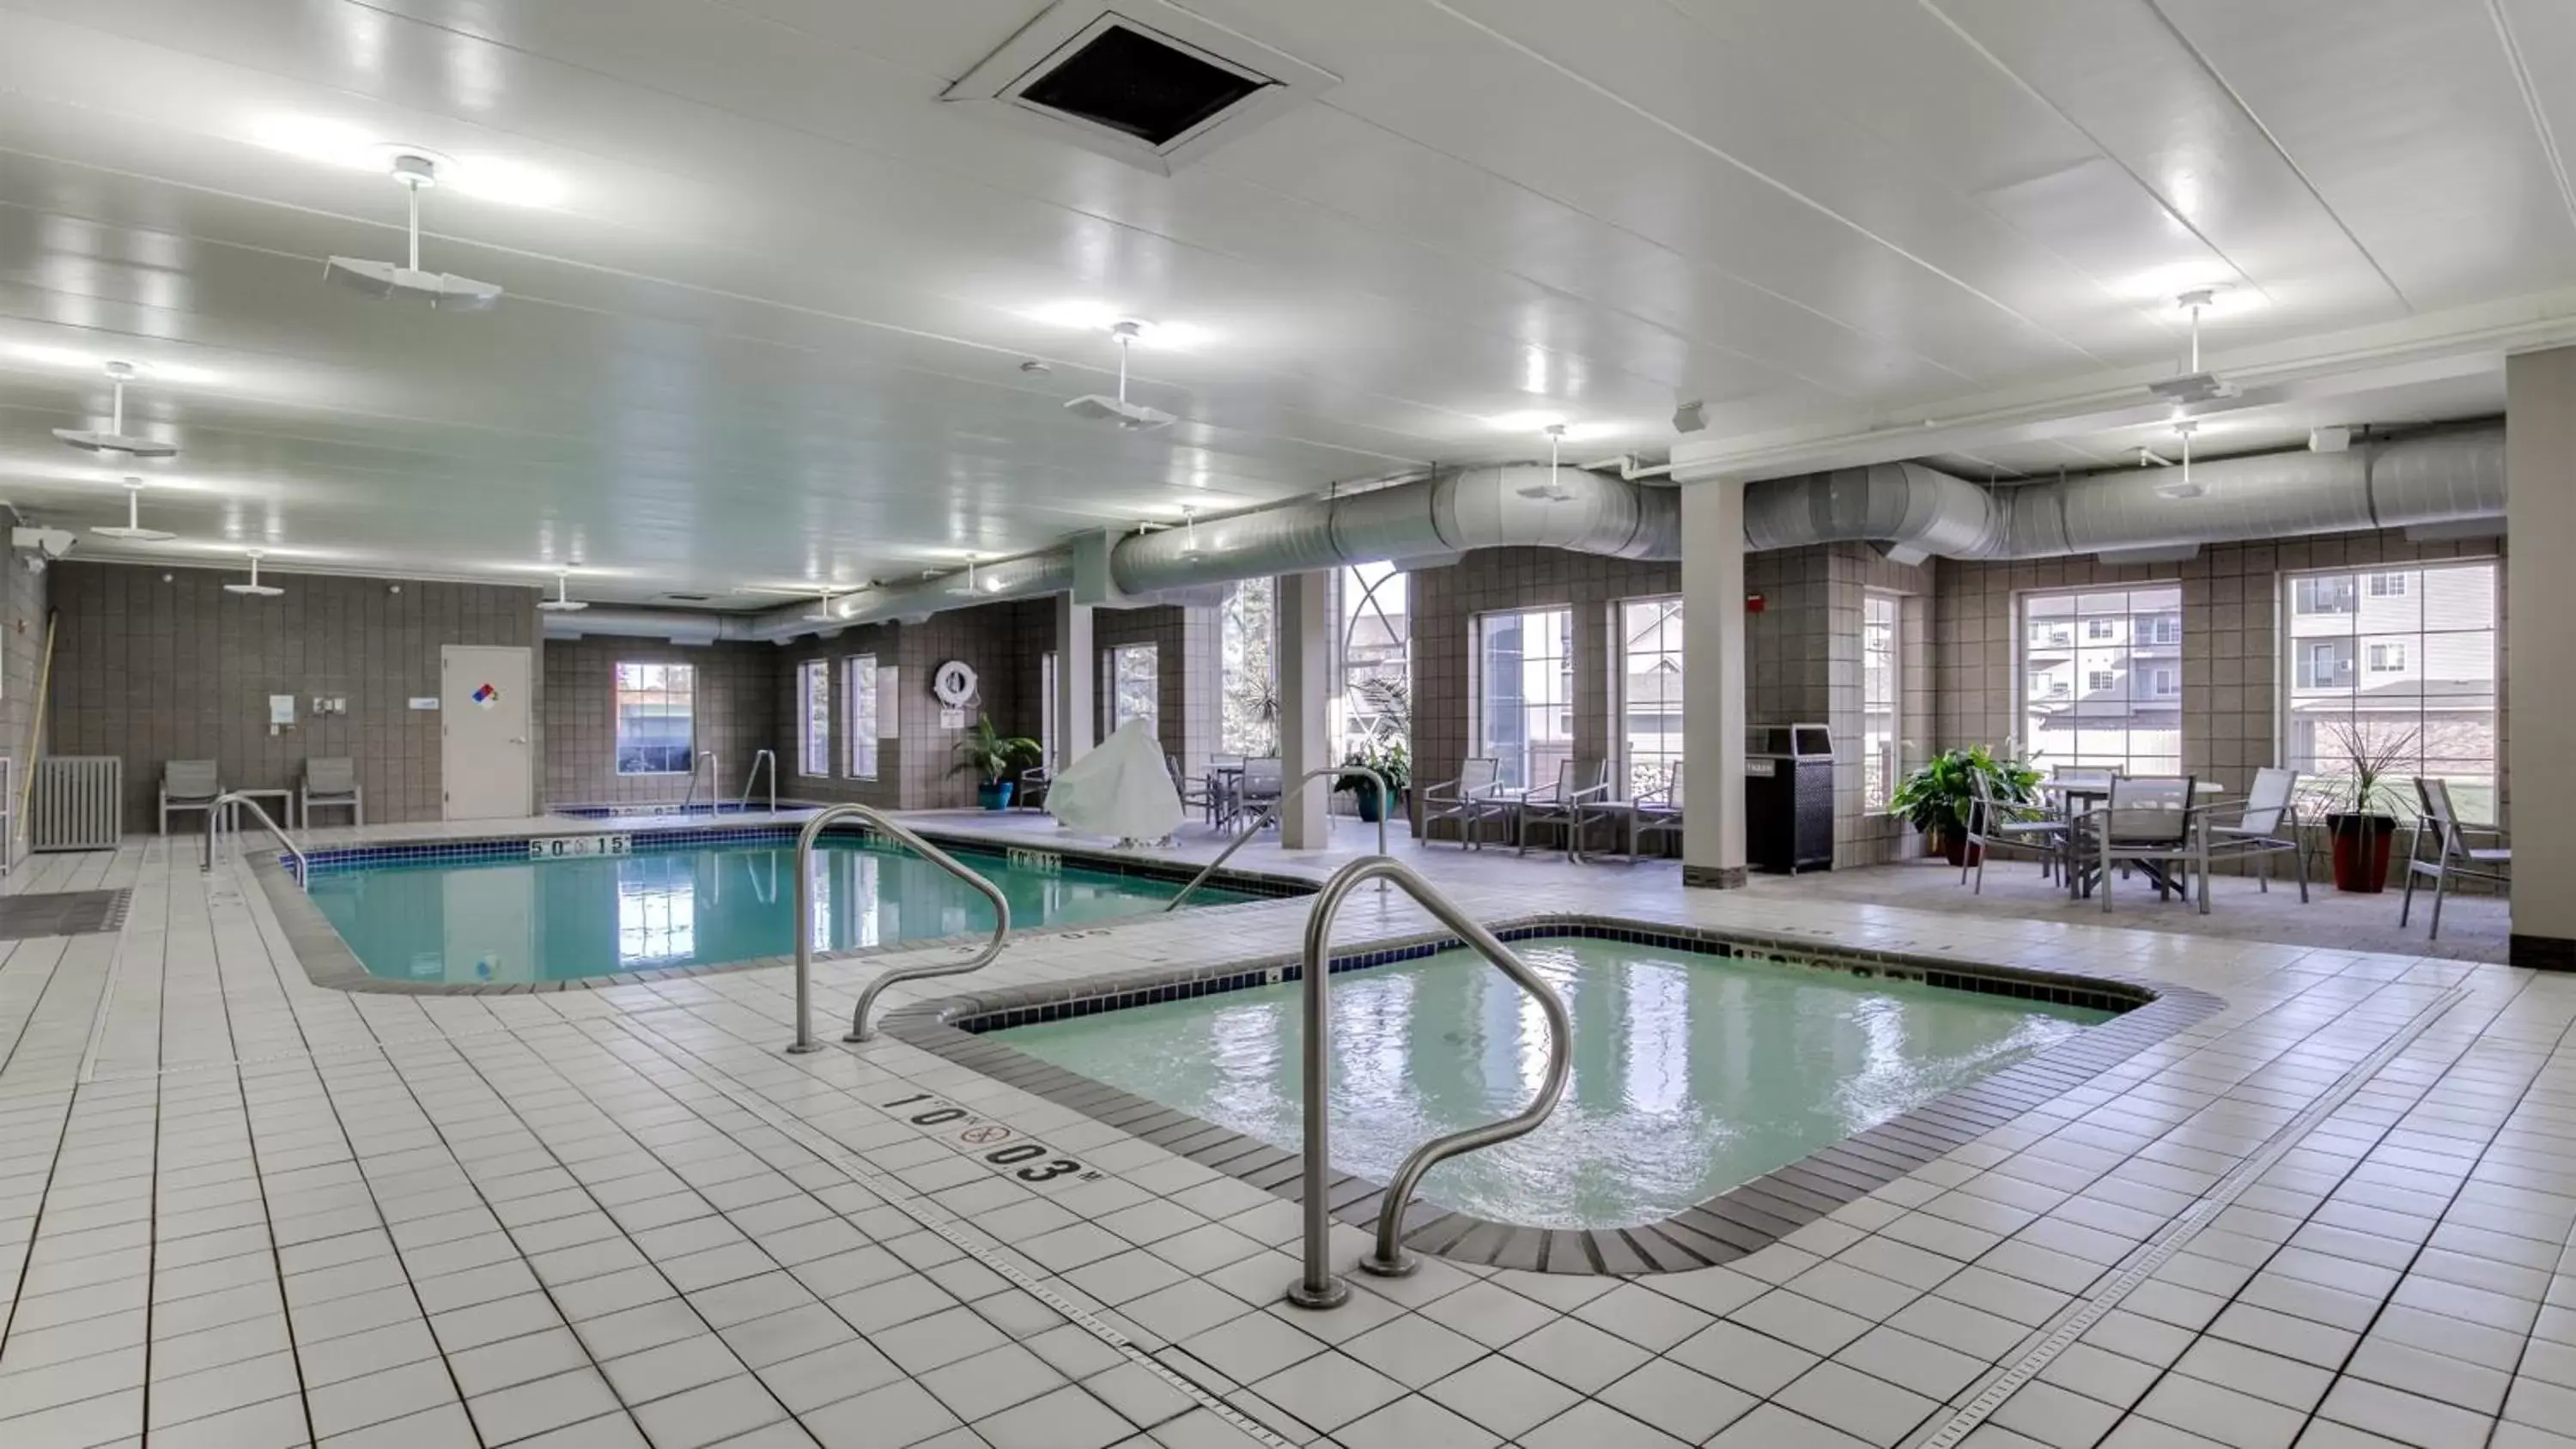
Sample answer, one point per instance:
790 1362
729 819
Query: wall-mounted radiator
79 803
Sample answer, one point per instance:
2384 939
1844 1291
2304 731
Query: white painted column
1305 614
1077 666
1713 683
2539 667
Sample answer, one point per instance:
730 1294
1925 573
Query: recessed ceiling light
116 439
133 529
254 588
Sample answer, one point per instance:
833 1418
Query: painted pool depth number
565 847
990 1142
1036 862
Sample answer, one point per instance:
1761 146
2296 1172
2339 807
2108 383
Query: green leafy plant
1939 794
1388 757
2359 774
992 754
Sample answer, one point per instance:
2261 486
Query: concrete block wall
735 715
155 664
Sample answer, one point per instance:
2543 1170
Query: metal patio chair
188 785
1578 783
2149 821
331 782
2268 825
1469 800
1648 812
2007 825
2452 853
1262 786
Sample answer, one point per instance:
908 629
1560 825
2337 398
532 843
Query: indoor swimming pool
1692 1073
513 919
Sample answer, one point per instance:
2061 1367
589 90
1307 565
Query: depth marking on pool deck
2071 1322
936 1217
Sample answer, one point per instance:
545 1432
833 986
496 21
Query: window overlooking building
1880 698
859 684
1135 686
1374 708
1650 681
654 706
814 718
1248 669
2102 679
2409 661
1525 715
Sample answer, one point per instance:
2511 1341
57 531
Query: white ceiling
767 309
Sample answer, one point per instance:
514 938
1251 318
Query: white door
484 758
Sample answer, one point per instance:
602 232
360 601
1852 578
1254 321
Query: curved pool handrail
1318 1288
879 820
1386 807
715 780
214 813
749 780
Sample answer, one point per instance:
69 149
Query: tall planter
2361 851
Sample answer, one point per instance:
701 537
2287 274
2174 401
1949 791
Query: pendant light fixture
132 529
2194 386
824 610
2182 486
1190 530
966 587
1554 489
254 588
562 602
1135 417
401 282
116 439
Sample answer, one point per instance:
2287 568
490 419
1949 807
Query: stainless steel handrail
1386 807
715 780
214 825
1318 1288
877 819
748 779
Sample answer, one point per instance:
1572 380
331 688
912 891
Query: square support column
1305 615
2540 670
1713 683
1077 664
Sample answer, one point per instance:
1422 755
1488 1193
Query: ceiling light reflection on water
1692 1074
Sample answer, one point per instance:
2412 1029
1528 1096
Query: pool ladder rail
216 813
1386 807
715 780
878 820
757 760
1318 1287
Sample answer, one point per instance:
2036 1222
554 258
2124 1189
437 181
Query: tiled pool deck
238 1209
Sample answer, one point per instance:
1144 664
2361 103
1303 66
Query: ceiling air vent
1140 80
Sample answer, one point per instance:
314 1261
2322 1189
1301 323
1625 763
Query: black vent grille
1132 81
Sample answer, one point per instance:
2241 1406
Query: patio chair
2268 825
1578 783
2148 821
1469 800
1224 788
1193 796
1645 813
1261 786
1030 793
331 781
187 785
2452 853
2007 825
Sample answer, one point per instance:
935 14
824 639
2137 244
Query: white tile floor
240 1210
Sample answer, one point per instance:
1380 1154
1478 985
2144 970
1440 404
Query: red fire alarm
1753 603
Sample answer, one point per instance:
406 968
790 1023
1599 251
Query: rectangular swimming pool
515 920
1692 1073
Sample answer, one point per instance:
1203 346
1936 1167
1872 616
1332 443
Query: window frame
812 744
1109 671
1881 761
2478 790
1670 631
1553 703
2138 651
856 692
618 690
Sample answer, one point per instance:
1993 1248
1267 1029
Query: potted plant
1939 794
2361 800
993 755
1389 759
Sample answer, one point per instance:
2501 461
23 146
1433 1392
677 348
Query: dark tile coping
641 810
1736 1222
328 961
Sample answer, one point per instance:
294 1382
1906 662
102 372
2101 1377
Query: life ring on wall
953 684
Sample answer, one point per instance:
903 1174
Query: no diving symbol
988 1132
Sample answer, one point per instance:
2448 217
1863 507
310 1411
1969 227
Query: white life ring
953 683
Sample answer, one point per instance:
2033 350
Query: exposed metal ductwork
1908 509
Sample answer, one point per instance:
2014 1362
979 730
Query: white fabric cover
1120 789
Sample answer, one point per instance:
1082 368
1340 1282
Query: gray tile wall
157 664
24 596
1186 653
1001 642
735 716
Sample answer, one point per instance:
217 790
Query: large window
2102 679
859 683
654 705
1650 683
1248 669
814 717
1374 707
1525 718
1135 686
1047 735
2403 658
1880 700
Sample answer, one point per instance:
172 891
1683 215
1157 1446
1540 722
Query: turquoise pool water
512 920
1692 1073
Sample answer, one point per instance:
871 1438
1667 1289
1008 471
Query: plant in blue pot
993 756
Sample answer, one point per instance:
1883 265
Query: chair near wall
1263 783
2148 821
2452 853
1648 812
1999 825
188 785
1467 800
1578 783
331 781
2268 826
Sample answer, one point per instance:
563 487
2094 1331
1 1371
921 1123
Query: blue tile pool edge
1720 1229
328 961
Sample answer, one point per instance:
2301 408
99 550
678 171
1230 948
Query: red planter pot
2361 851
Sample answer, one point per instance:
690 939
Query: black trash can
1789 798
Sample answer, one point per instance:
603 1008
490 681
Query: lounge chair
188 785
2452 853
1469 800
331 781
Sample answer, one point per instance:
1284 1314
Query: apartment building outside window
1525 693
2101 675
2403 656
1650 683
